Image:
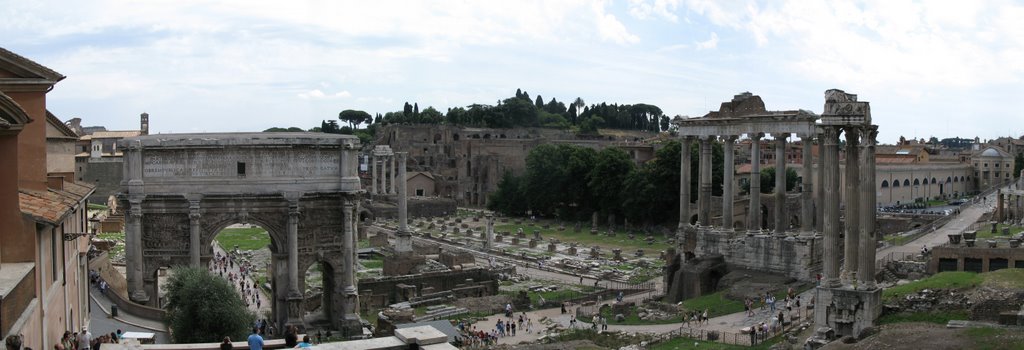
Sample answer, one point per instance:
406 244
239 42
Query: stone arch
906 182
332 294
487 136
933 181
455 137
896 183
365 216
917 182
956 179
885 183
11 112
437 138
949 179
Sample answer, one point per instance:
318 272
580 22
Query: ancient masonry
848 302
304 189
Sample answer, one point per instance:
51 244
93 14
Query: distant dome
991 152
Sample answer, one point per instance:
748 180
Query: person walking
255 340
84 339
226 344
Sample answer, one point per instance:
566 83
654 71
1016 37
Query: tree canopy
203 308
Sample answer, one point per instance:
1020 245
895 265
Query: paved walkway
100 321
264 307
968 215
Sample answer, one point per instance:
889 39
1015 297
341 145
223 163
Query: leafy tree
590 125
288 129
430 116
354 117
330 127
540 102
1018 164
407 109
665 123
611 168
415 109
768 180
203 308
546 175
509 199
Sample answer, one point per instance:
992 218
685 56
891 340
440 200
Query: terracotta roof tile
52 206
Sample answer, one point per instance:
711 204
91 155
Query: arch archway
180 193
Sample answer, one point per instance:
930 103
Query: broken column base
848 312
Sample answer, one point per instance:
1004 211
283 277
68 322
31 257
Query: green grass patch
716 304
986 232
937 317
993 338
244 238
620 240
942 280
1005 278
94 206
634 319
937 202
688 343
119 236
373 263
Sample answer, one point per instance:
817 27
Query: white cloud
317 94
644 9
711 43
610 29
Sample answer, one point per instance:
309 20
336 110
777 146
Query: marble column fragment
755 183
704 198
394 175
729 171
373 174
819 193
684 181
194 233
830 222
851 243
868 198
781 222
403 242
293 250
806 194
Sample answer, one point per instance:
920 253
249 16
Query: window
885 184
241 168
54 256
997 165
419 192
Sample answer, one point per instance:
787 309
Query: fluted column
728 172
830 189
403 238
194 233
373 174
868 198
755 183
133 253
394 175
704 198
806 194
819 198
684 181
348 249
851 243
780 184
293 250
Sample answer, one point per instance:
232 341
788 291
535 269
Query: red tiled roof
52 206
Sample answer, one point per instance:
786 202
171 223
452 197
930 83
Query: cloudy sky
934 68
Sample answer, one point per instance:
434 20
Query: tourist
604 323
563 308
290 337
84 339
753 335
513 325
13 342
781 319
226 344
255 340
529 325
704 317
305 343
572 321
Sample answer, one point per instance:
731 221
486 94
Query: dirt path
968 215
265 301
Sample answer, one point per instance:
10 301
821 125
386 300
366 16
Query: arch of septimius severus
848 299
180 190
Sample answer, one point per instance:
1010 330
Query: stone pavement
100 321
968 215
264 308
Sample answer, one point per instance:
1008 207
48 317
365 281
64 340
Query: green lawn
986 232
245 238
94 206
372 263
718 305
992 338
634 319
949 279
687 343
937 317
587 240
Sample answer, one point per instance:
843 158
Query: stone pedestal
847 311
533 243
595 252
499 237
536 234
552 247
515 240
617 254
571 251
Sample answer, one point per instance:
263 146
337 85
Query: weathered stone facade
181 189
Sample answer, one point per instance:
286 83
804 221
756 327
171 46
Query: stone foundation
797 257
846 311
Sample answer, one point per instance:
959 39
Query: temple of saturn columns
848 299
383 181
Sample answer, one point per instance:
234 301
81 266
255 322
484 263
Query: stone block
571 251
515 240
532 243
552 247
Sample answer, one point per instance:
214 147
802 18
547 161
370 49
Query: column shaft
781 223
830 222
293 250
133 253
194 234
868 198
704 198
684 181
819 193
806 194
394 175
403 238
755 183
373 174
347 249
851 244
729 171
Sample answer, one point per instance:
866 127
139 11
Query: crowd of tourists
505 327
224 266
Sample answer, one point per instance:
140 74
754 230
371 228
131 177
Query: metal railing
735 338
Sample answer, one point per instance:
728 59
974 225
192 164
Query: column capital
729 138
830 135
755 136
781 136
293 209
135 211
